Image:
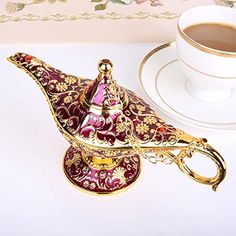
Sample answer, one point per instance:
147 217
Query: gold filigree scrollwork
167 155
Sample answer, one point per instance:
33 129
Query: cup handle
211 153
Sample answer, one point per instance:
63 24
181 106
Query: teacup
211 73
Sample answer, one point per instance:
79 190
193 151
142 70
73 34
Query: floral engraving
119 173
70 80
61 87
63 92
150 120
100 181
142 128
68 99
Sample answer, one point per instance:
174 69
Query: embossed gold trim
105 68
77 141
104 110
102 163
204 48
185 143
73 140
115 192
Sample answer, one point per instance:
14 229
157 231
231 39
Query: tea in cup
206 48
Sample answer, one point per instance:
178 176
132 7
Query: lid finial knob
105 67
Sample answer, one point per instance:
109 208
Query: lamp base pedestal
100 181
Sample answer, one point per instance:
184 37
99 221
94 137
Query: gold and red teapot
110 128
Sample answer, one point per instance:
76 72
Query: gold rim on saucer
174 113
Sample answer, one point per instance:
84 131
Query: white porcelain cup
211 73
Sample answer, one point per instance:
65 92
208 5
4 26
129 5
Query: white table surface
37 200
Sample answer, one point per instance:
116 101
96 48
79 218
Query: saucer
164 83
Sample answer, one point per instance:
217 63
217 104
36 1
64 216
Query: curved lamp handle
210 152
166 156
192 145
